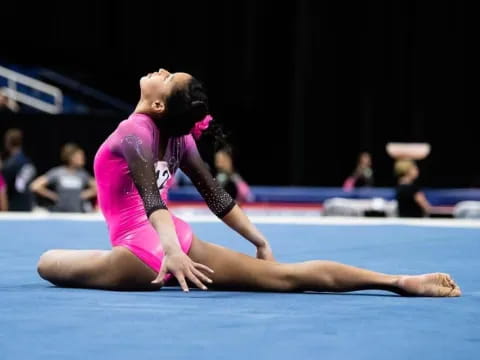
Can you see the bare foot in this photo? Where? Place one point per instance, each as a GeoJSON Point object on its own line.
{"type": "Point", "coordinates": [436, 284]}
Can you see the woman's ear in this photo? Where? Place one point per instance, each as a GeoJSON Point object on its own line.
{"type": "Point", "coordinates": [158, 107]}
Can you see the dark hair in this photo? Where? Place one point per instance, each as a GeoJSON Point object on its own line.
{"type": "Point", "coordinates": [187, 106]}
{"type": "Point", "coordinates": [13, 138]}
{"type": "Point", "coordinates": [215, 134]}
{"type": "Point", "coordinates": [225, 148]}
{"type": "Point", "coordinates": [184, 108]}
{"type": "Point", "coordinates": [67, 152]}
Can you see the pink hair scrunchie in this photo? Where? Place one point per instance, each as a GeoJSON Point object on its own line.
{"type": "Point", "coordinates": [201, 126]}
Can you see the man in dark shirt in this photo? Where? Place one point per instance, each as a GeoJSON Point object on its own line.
{"type": "Point", "coordinates": [411, 201]}
{"type": "Point", "coordinates": [18, 172]}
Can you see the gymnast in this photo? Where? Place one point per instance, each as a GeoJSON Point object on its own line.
{"type": "Point", "coordinates": [151, 247]}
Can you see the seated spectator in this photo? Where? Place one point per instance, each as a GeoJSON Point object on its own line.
{"type": "Point", "coordinates": [3, 192]}
{"type": "Point", "coordinates": [362, 175]}
{"type": "Point", "coordinates": [411, 201]}
{"type": "Point", "coordinates": [70, 186]}
{"type": "Point", "coordinates": [229, 179]}
{"type": "Point", "coordinates": [18, 171]}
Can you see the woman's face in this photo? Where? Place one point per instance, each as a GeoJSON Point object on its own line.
{"type": "Point", "coordinates": [223, 162]}
{"type": "Point", "coordinates": [159, 85]}
{"type": "Point", "coordinates": [77, 159]}
{"type": "Point", "coordinates": [365, 160]}
{"type": "Point", "coordinates": [413, 172]}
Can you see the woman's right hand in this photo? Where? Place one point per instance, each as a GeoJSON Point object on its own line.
{"type": "Point", "coordinates": [182, 267]}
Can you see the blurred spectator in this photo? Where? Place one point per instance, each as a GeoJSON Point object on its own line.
{"type": "Point", "coordinates": [18, 171]}
{"type": "Point", "coordinates": [411, 201]}
{"type": "Point", "coordinates": [3, 192]}
{"type": "Point", "coordinates": [7, 105]}
{"type": "Point", "coordinates": [362, 175]}
{"type": "Point", "coordinates": [72, 185]}
{"type": "Point", "coordinates": [230, 180]}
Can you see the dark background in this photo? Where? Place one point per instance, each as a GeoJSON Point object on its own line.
{"type": "Point", "coordinates": [302, 86]}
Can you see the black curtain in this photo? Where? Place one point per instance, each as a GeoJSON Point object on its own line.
{"type": "Point", "coordinates": [302, 86]}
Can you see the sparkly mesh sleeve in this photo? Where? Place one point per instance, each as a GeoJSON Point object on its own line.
{"type": "Point", "coordinates": [217, 199]}
{"type": "Point", "coordinates": [135, 146]}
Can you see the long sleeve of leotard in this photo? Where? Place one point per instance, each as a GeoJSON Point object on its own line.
{"type": "Point", "coordinates": [135, 144]}
{"type": "Point", "coordinates": [217, 199]}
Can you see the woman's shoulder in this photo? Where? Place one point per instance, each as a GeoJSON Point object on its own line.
{"type": "Point", "coordinates": [137, 125]}
{"type": "Point", "coordinates": [56, 172]}
{"type": "Point", "coordinates": [136, 121]}
{"type": "Point", "coordinates": [187, 141]}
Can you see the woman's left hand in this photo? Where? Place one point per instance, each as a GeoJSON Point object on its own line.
{"type": "Point", "coordinates": [264, 252]}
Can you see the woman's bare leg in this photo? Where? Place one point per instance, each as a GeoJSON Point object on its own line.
{"type": "Point", "coordinates": [241, 272]}
{"type": "Point", "coordinates": [116, 269]}
{"type": "Point", "coordinates": [119, 269]}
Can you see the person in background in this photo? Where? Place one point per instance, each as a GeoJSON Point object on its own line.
{"type": "Point", "coordinates": [72, 185]}
{"type": "Point", "coordinates": [411, 201]}
{"type": "Point", "coordinates": [18, 171]}
{"type": "Point", "coordinates": [362, 175]}
{"type": "Point", "coordinates": [229, 179]}
{"type": "Point", "coordinates": [7, 106]}
{"type": "Point", "coordinates": [3, 192]}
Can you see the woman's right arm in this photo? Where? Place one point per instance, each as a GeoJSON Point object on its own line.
{"type": "Point", "coordinates": [39, 186]}
{"type": "Point", "coordinates": [135, 147]}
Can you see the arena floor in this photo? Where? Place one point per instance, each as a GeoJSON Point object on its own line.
{"type": "Point", "coordinates": [40, 321]}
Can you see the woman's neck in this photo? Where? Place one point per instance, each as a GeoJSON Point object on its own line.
{"type": "Point", "coordinates": [142, 108]}
{"type": "Point", "coordinates": [72, 168]}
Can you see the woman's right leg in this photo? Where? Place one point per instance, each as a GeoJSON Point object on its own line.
{"type": "Point", "coordinates": [116, 269]}
{"type": "Point", "coordinates": [237, 271]}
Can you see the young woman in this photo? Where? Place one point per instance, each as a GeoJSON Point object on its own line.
{"type": "Point", "coordinates": [229, 178]}
{"type": "Point", "coordinates": [150, 246]}
{"type": "Point", "coordinates": [73, 186]}
{"type": "Point", "coordinates": [362, 175]}
{"type": "Point", "coordinates": [412, 202]}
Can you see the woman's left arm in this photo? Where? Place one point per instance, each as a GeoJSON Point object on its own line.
{"type": "Point", "coordinates": [3, 199]}
{"type": "Point", "coordinates": [238, 221]}
{"type": "Point", "coordinates": [422, 201]}
{"type": "Point", "coordinates": [220, 202]}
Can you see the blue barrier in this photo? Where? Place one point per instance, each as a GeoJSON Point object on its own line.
{"type": "Point", "coordinates": [272, 194]}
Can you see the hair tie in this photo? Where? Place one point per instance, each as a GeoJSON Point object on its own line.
{"type": "Point", "coordinates": [201, 126]}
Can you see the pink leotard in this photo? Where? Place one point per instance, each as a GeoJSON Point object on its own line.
{"type": "Point", "coordinates": [133, 182]}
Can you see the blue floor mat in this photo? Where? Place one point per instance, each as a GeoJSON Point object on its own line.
{"type": "Point", "coordinates": [40, 321]}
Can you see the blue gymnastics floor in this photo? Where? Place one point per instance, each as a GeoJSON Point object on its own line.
{"type": "Point", "coordinates": [39, 321]}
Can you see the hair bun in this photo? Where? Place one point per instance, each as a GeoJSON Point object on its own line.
{"type": "Point", "coordinates": [198, 110]}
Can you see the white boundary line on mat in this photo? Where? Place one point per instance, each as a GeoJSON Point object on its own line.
{"type": "Point", "coordinates": [277, 219]}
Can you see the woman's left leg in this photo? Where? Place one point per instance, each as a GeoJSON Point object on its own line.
{"type": "Point", "coordinates": [237, 271]}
